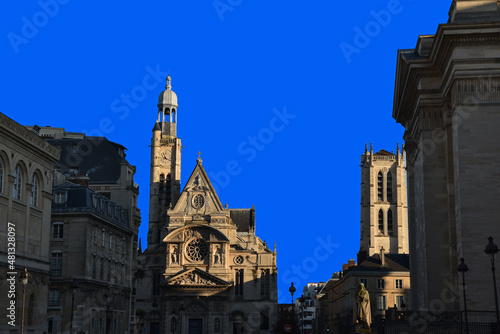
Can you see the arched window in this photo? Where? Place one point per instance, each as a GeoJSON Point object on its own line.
{"type": "Point", "coordinates": [2, 169]}
{"type": "Point", "coordinates": [34, 191]}
{"type": "Point", "coordinates": [18, 181]}
{"type": "Point", "coordinates": [390, 226]}
{"type": "Point", "coordinates": [389, 187]}
{"type": "Point", "coordinates": [380, 186]}
{"type": "Point", "coordinates": [381, 221]}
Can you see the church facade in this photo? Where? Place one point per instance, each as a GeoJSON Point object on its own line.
{"type": "Point", "coordinates": [204, 269]}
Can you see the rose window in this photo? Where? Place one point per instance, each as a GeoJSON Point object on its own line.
{"type": "Point", "coordinates": [197, 249]}
{"type": "Point", "coordinates": [198, 201]}
{"type": "Point", "coordinates": [238, 259]}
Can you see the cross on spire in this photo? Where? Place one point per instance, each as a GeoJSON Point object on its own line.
{"type": "Point", "coordinates": [199, 157]}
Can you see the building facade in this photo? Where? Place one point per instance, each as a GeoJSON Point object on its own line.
{"type": "Point", "coordinates": [447, 96]}
{"type": "Point", "coordinates": [383, 202]}
{"type": "Point", "coordinates": [26, 165]}
{"type": "Point", "coordinates": [90, 245]}
{"type": "Point", "coordinates": [204, 270]}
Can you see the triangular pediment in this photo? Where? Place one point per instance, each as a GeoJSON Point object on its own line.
{"type": "Point", "coordinates": [195, 277]}
{"type": "Point", "coordinates": [198, 196]}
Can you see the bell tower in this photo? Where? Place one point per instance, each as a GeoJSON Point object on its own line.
{"type": "Point", "coordinates": [384, 222]}
{"type": "Point", "coordinates": [165, 179]}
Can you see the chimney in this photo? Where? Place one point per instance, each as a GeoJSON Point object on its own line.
{"type": "Point", "coordinates": [382, 256]}
{"type": "Point", "coordinates": [362, 255]}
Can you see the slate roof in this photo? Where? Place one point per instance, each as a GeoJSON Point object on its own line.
{"type": "Point", "coordinates": [393, 262]}
{"type": "Point", "coordinates": [96, 157]}
{"type": "Point", "coordinates": [244, 219]}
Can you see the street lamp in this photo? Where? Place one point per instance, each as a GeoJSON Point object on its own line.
{"type": "Point", "coordinates": [491, 249]}
{"type": "Point", "coordinates": [462, 269]}
{"type": "Point", "coordinates": [292, 291]}
{"type": "Point", "coordinates": [73, 287]}
{"type": "Point", "coordinates": [25, 276]}
{"type": "Point", "coordinates": [181, 311]}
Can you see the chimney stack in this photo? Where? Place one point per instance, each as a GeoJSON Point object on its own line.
{"type": "Point", "coordinates": [382, 256]}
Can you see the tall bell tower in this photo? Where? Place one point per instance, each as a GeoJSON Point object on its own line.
{"type": "Point", "coordinates": [165, 179]}
{"type": "Point", "coordinates": [384, 222]}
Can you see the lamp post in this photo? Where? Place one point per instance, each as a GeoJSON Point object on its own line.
{"type": "Point", "coordinates": [292, 291]}
{"type": "Point", "coordinates": [73, 287]}
{"type": "Point", "coordinates": [181, 311]}
{"type": "Point", "coordinates": [25, 276]}
{"type": "Point", "coordinates": [462, 269]}
{"type": "Point", "coordinates": [491, 249]}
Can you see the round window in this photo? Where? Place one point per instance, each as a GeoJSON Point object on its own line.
{"type": "Point", "coordinates": [198, 201]}
{"type": "Point", "coordinates": [197, 250]}
{"type": "Point", "coordinates": [238, 259]}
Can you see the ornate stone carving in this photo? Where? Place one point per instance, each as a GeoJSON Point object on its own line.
{"type": "Point", "coordinates": [218, 255]}
{"type": "Point", "coordinates": [174, 254]}
{"type": "Point", "coordinates": [194, 279]}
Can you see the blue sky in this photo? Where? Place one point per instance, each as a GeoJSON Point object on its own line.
{"type": "Point", "coordinates": [280, 97]}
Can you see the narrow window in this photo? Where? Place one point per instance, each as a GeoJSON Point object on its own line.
{"type": "Point", "coordinates": [399, 302]}
{"type": "Point", "coordinates": [380, 186]}
{"type": "Point", "coordinates": [380, 283]}
{"type": "Point", "coordinates": [18, 181]}
{"type": "Point", "coordinates": [390, 225]}
{"type": "Point", "coordinates": [399, 283]}
{"type": "Point", "coordinates": [57, 230]}
{"type": "Point", "coordinates": [103, 237]}
{"type": "Point", "coordinates": [96, 231]}
{"type": "Point", "coordinates": [94, 265]}
{"type": "Point", "coordinates": [110, 240]}
{"type": "Point", "coordinates": [389, 187]}
{"type": "Point", "coordinates": [264, 282]}
{"type": "Point", "coordinates": [109, 270]}
{"type": "Point", "coordinates": [381, 302]}
{"type": "Point", "coordinates": [34, 191]}
{"type": "Point", "coordinates": [101, 273]}
{"type": "Point", "coordinates": [156, 283]}
{"type": "Point", "coordinates": [381, 221]}
{"type": "Point", "coordinates": [56, 263]}
{"type": "Point", "coordinates": [239, 280]}
{"type": "Point", "coordinates": [54, 297]}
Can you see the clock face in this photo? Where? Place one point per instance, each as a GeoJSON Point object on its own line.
{"type": "Point", "coordinates": [166, 156]}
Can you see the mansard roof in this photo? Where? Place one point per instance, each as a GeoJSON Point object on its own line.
{"type": "Point", "coordinates": [96, 157]}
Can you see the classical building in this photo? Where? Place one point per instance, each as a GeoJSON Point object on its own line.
{"type": "Point", "coordinates": [100, 165]}
{"type": "Point", "coordinates": [385, 276]}
{"type": "Point", "coordinates": [204, 270]}
{"type": "Point", "coordinates": [447, 96]}
{"type": "Point", "coordinates": [383, 202]}
{"type": "Point", "coordinates": [90, 246]}
{"type": "Point", "coordinates": [26, 165]}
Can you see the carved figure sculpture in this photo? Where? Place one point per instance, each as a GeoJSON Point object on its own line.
{"type": "Point", "coordinates": [362, 310]}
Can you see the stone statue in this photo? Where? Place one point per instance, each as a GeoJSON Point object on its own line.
{"type": "Point", "coordinates": [362, 310]}
{"type": "Point", "coordinates": [175, 255]}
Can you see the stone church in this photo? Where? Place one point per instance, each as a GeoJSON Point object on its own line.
{"type": "Point", "coordinates": [204, 269]}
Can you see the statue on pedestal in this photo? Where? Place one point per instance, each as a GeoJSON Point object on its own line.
{"type": "Point", "coordinates": [362, 310]}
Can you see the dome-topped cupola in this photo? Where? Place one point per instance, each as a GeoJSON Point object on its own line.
{"type": "Point", "coordinates": [167, 109]}
{"type": "Point", "coordinates": [168, 98]}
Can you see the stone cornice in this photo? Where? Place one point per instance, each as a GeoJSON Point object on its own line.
{"type": "Point", "coordinates": [411, 69]}
{"type": "Point", "coordinates": [19, 132]}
